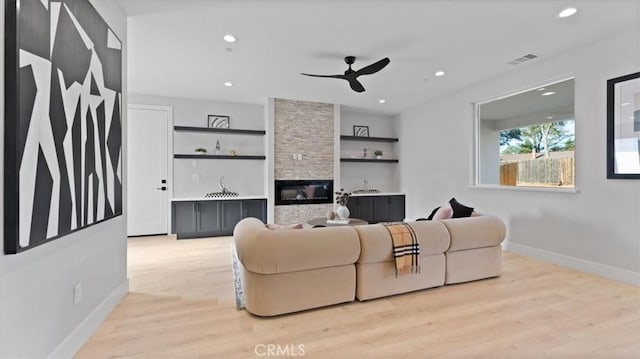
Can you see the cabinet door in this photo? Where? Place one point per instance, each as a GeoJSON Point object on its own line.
{"type": "Point", "coordinates": [381, 205]}
{"type": "Point", "coordinates": [354, 207]}
{"type": "Point", "coordinates": [255, 208]}
{"type": "Point", "coordinates": [396, 208]}
{"type": "Point", "coordinates": [208, 216]}
{"type": "Point", "coordinates": [183, 217]}
{"type": "Point", "coordinates": [365, 209]}
{"type": "Point", "coordinates": [231, 215]}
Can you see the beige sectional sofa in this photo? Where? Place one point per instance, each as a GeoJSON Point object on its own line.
{"type": "Point", "coordinates": [285, 271]}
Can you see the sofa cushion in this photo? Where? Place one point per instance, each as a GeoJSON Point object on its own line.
{"type": "Point", "coordinates": [459, 209]}
{"type": "Point", "coordinates": [264, 251]}
{"type": "Point", "coordinates": [474, 232]}
{"type": "Point", "coordinates": [375, 242]}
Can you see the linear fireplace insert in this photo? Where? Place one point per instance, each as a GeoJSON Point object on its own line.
{"type": "Point", "coordinates": [290, 192]}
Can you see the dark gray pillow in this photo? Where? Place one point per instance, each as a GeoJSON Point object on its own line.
{"type": "Point", "coordinates": [459, 209]}
{"type": "Point", "coordinates": [433, 213]}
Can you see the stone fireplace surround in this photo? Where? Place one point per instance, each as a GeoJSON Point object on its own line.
{"type": "Point", "coordinates": [304, 145]}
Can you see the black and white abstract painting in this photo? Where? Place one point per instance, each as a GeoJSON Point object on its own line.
{"type": "Point", "coordinates": [63, 129]}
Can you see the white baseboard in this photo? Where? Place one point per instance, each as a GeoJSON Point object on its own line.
{"type": "Point", "coordinates": [607, 271]}
{"type": "Point", "coordinates": [70, 346]}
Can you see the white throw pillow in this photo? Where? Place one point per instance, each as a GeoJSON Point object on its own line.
{"type": "Point", "coordinates": [444, 212]}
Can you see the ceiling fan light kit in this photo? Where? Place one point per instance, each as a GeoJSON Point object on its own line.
{"type": "Point", "coordinates": [352, 75]}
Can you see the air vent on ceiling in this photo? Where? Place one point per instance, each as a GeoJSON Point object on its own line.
{"type": "Point", "coordinates": [523, 59]}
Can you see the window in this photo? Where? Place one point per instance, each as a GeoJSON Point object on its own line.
{"type": "Point", "coordinates": [528, 139]}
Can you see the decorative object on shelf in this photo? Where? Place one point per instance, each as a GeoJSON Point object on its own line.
{"type": "Point", "coordinates": [623, 127]}
{"type": "Point", "coordinates": [233, 153]}
{"type": "Point", "coordinates": [361, 131]}
{"type": "Point", "coordinates": [201, 151]}
{"type": "Point", "coordinates": [218, 121]}
{"type": "Point", "coordinates": [342, 197]}
{"type": "Point", "coordinates": [331, 215]}
{"type": "Point", "coordinates": [364, 153]}
{"type": "Point", "coordinates": [378, 154]}
{"type": "Point", "coordinates": [61, 168]}
{"type": "Point", "coordinates": [224, 192]}
{"type": "Point", "coordinates": [217, 147]}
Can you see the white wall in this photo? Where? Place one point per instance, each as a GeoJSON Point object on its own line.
{"type": "Point", "coordinates": [382, 176]}
{"type": "Point", "coordinates": [597, 229]}
{"type": "Point", "coordinates": [243, 176]}
{"type": "Point", "coordinates": [37, 314]}
{"type": "Point", "coordinates": [489, 141]}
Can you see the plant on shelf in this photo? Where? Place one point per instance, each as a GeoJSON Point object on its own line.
{"type": "Point", "coordinates": [378, 154]}
{"type": "Point", "coordinates": [201, 150]}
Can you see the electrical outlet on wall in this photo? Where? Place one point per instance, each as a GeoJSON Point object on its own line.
{"type": "Point", "coordinates": [195, 177]}
{"type": "Point", "coordinates": [77, 293]}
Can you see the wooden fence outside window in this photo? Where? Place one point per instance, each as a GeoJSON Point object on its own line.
{"type": "Point", "coordinates": [539, 172]}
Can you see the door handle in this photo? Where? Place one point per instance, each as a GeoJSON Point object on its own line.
{"type": "Point", "coordinates": [163, 188]}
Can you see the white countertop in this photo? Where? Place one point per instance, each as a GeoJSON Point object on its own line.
{"type": "Point", "coordinates": [191, 199]}
{"type": "Point", "coordinates": [377, 194]}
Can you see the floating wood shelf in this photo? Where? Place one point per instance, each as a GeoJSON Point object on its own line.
{"type": "Point", "coordinates": [219, 130]}
{"type": "Point", "coordinates": [368, 160]}
{"type": "Point", "coordinates": [219, 157]}
{"type": "Point", "coordinates": [369, 139]}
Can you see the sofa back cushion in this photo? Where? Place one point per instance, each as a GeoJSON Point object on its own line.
{"type": "Point", "coordinates": [375, 242]}
{"type": "Point", "coordinates": [264, 251]}
{"type": "Point", "coordinates": [475, 232]}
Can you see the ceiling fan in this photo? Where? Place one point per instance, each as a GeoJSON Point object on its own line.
{"type": "Point", "coordinates": [352, 75]}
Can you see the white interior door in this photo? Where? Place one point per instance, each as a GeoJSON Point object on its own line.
{"type": "Point", "coordinates": [148, 181]}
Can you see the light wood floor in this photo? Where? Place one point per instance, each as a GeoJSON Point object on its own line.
{"type": "Point", "coordinates": [181, 305]}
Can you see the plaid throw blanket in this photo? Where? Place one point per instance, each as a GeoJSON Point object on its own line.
{"type": "Point", "coordinates": [406, 248]}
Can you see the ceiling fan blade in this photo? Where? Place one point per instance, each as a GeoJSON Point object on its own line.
{"type": "Point", "coordinates": [329, 76]}
{"type": "Point", "coordinates": [373, 68]}
{"type": "Point", "coordinates": [355, 84]}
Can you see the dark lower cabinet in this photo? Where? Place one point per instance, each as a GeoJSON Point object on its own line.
{"type": "Point", "coordinates": [183, 217]}
{"type": "Point", "coordinates": [255, 208]}
{"type": "Point", "coordinates": [231, 215]}
{"type": "Point", "coordinates": [194, 219]}
{"type": "Point", "coordinates": [375, 209]}
{"type": "Point", "coordinates": [208, 216]}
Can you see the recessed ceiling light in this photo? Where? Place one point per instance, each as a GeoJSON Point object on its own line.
{"type": "Point", "coordinates": [228, 84]}
{"type": "Point", "coordinates": [541, 89]}
{"type": "Point", "coordinates": [549, 118]}
{"type": "Point", "coordinates": [382, 101]}
{"type": "Point", "coordinates": [567, 12]}
{"type": "Point", "coordinates": [440, 73]}
{"type": "Point", "coordinates": [625, 104]}
{"type": "Point", "coordinates": [548, 93]}
{"type": "Point", "coordinates": [229, 38]}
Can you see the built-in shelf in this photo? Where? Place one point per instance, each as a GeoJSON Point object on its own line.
{"type": "Point", "coordinates": [369, 139]}
{"type": "Point", "coordinates": [219, 157]}
{"type": "Point", "coordinates": [219, 130]}
{"type": "Point", "coordinates": [368, 160]}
